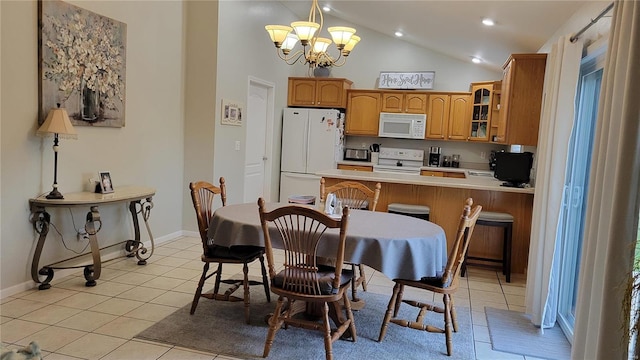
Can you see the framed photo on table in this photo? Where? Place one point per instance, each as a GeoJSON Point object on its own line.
{"type": "Point", "coordinates": [106, 186]}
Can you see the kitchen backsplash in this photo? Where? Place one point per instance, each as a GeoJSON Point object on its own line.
{"type": "Point", "coordinates": [471, 154]}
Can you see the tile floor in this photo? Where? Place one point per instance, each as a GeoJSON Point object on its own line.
{"type": "Point", "coordinates": [71, 321]}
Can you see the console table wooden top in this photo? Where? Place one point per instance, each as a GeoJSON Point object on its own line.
{"type": "Point", "coordinates": [121, 193]}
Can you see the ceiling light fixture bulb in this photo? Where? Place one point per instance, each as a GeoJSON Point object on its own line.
{"type": "Point", "coordinates": [399, 33]}
{"type": "Point", "coordinates": [488, 22]}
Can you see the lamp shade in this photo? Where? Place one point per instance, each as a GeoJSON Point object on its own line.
{"type": "Point", "coordinates": [278, 33]}
{"type": "Point", "coordinates": [57, 122]}
{"type": "Point", "coordinates": [341, 35]}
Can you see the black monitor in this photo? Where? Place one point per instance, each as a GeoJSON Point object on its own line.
{"type": "Point", "coordinates": [513, 168]}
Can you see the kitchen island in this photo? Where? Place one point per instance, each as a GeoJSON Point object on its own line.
{"type": "Point", "coordinates": [446, 195]}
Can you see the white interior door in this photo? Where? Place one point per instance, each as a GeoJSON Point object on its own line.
{"type": "Point", "coordinates": [258, 140]}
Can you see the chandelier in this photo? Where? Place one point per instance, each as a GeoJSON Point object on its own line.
{"type": "Point", "coordinates": [314, 48]}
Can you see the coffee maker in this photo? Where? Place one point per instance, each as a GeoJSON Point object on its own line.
{"type": "Point", "coordinates": [434, 155]}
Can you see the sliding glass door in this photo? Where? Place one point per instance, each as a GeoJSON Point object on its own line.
{"type": "Point", "coordinates": [571, 229]}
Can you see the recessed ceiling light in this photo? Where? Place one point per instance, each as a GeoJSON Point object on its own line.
{"type": "Point", "coordinates": [399, 33]}
{"type": "Point", "coordinates": [326, 8]}
{"type": "Point", "coordinates": [475, 60]}
{"type": "Point", "coordinates": [488, 22]}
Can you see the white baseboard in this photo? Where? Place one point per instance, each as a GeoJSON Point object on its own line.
{"type": "Point", "coordinates": [105, 256]}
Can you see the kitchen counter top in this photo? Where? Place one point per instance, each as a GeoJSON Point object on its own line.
{"type": "Point", "coordinates": [475, 179]}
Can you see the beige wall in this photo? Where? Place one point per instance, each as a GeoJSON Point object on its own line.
{"type": "Point", "coordinates": [147, 151]}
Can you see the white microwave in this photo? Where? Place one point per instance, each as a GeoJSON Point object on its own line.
{"type": "Point", "coordinates": [405, 126]}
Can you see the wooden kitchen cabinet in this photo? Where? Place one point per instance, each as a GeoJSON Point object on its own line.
{"type": "Point", "coordinates": [404, 102]}
{"type": "Point", "coordinates": [521, 99]}
{"type": "Point", "coordinates": [482, 95]}
{"type": "Point", "coordinates": [318, 92]}
{"type": "Point", "coordinates": [355, 167]}
{"type": "Point", "coordinates": [363, 112]}
{"type": "Point", "coordinates": [449, 174]}
{"type": "Point", "coordinates": [447, 116]}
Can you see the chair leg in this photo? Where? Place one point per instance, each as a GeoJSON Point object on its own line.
{"type": "Point", "coordinates": [447, 323]}
{"type": "Point", "coordinates": [387, 315]}
{"type": "Point", "coordinates": [454, 316]}
{"type": "Point", "coordinates": [354, 284]}
{"type": "Point", "coordinates": [507, 260]}
{"type": "Point", "coordinates": [363, 276]}
{"type": "Point", "coordinates": [398, 300]}
{"type": "Point", "coordinates": [216, 287]}
{"type": "Point", "coordinates": [275, 321]}
{"type": "Point", "coordinates": [265, 281]}
{"type": "Point", "coordinates": [247, 296]}
{"type": "Point", "coordinates": [327, 332]}
{"type": "Point", "coordinates": [352, 323]}
{"type": "Point", "coordinates": [198, 293]}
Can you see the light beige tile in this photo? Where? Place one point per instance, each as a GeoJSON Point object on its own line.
{"type": "Point", "coordinates": [92, 346]}
{"type": "Point", "coordinates": [50, 314]}
{"type": "Point", "coordinates": [53, 338]}
{"type": "Point", "coordinates": [193, 265]}
{"type": "Point", "coordinates": [138, 350]}
{"type": "Point", "coordinates": [4, 319]}
{"type": "Point", "coordinates": [183, 354]}
{"type": "Point", "coordinates": [485, 286]}
{"type": "Point", "coordinates": [82, 301]}
{"type": "Point", "coordinates": [127, 265]}
{"type": "Point", "coordinates": [185, 274]}
{"type": "Point", "coordinates": [55, 356]}
{"type": "Point", "coordinates": [517, 300]}
{"type": "Point", "coordinates": [173, 298]}
{"type": "Point", "coordinates": [164, 283]}
{"type": "Point", "coordinates": [151, 312]}
{"type": "Point", "coordinates": [479, 305]}
{"type": "Point", "coordinates": [488, 296]}
{"type": "Point", "coordinates": [109, 288]}
{"type": "Point", "coordinates": [224, 357]}
{"type": "Point", "coordinates": [142, 293]}
{"type": "Point", "coordinates": [134, 278]}
{"type": "Point", "coordinates": [171, 261]}
{"type": "Point", "coordinates": [16, 329]}
{"type": "Point", "coordinates": [108, 273]}
{"type": "Point", "coordinates": [19, 307]}
{"type": "Point", "coordinates": [481, 333]}
{"type": "Point", "coordinates": [49, 296]}
{"type": "Point", "coordinates": [124, 327]}
{"type": "Point", "coordinates": [164, 251]}
{"type": "Point", "coordinates": [513, 289]}
{"type": "Point", "coordinates": [518, 308]}
{"type": "Point", "coordinates": [116, 306]}
{"type": "Point", "coordinates": [188, 287]}
{"type": "Point", "coordinates": [153, 269]}
{"type": "Point", "coordinates": [379, 289]}
{"type": "Point", "coordinates": [485, 352]}
{"type": "Point", "coordinates": [180, 245]}
{"type": "Point", "coordinates": [86, 321]}
{"type": "Point", "coordinates": [479, 318]}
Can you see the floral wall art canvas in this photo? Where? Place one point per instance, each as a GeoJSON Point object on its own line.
{"type": "Point", "coordinates": [81, 64]}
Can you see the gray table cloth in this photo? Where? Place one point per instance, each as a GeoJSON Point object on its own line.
{"type": "Point", "coordinates": [399, 246]}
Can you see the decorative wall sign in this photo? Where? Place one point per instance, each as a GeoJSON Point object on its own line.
{"type": "Point", "coordinates": [232, 112]}
{"type": "Point", "coordinates": [81, 64]}
{"type": "Point", "coordinates": [406, 80]}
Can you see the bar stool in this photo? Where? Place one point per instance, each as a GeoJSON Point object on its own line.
{"type": "Point", "coordinates": [499, 219]}
{"type": "Point", "coordinates": [417, 211]}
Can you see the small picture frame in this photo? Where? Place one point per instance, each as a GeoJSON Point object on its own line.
{"type": "Point", "coordinates": [106, 186]}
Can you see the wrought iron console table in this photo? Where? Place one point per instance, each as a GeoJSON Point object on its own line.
{"type": "Point", "coordinates": [139, 199]}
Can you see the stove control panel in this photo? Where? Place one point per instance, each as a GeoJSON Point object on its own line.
{"type": "Point", "coordinates": [401, 154]}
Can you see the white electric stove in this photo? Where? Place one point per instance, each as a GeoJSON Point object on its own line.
{"type": "Point", "coordinates": [395, 160]}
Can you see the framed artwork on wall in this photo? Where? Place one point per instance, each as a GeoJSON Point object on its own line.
{"type": "Point", "coordinates": [232, 112]}
{"type": "Point", "coordinates": [81, 64]}
{"type": "Point", "coordinates": [106, 186]}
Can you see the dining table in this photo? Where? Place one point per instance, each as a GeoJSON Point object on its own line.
{"type": "Point", "coordinates": [398, 246]}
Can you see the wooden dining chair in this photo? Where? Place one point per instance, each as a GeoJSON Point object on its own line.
{"type": "Point", "coordinates": [302, 280]}
{"type": "Point", "coordinates": [203, 195]}
{"type": "Point", "coordinates": [355, 195]}
{"type": "Point", "coordinates": [446, 284]}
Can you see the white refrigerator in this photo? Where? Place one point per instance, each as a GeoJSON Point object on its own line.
{"type": "Point", "coordinates": [312, 140]}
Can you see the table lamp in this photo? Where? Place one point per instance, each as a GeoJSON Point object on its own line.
{"type": "Point", "coordinates": [57, 124]}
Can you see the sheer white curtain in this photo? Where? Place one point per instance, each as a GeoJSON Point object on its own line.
{"type": "Point", "coordinates": [560, 84]}
{"type": "Point", "coordinates": [612, 210]}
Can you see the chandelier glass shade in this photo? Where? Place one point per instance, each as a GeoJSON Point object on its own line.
{"type": "Point", "coordinates": [315, 48]}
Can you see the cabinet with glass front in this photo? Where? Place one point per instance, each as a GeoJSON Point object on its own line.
{"type": "Point", "coordinates": [481, 95]}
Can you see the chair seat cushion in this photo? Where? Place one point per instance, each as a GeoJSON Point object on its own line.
{"type": "Point", "coordinates": [409, 209]}
{"type": "Point", "coordinates": [495, 216]}
{"type": "Point", "coordinates": [325, 276]}
{"type": "Point", "coordinates": [234, 252]}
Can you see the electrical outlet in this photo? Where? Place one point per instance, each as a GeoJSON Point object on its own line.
{"type": "Point", "coordinates": [82, 235]}
{"type": "Point", "coordinates": [237, 145]}
{"type": "Point", "coordinates": [483, 155]}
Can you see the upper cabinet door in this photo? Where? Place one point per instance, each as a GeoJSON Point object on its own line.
{"type": "Point", "coordinates": [329, 93]}
{"type": "Point", "coordinates": [302, 92]}
{"type": "Point", "coordinates": [459, 117]}
{"type": "Point", "coordinates": [392, 102]}
{"type": "Point", "coordinates": [437, 116]}
{"type": "Point", "coordinates": [481, 111]}
{"type": "Point", "coordinates": [363, 112]}
{"type": "Point", "coordinates": [415, 103]}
